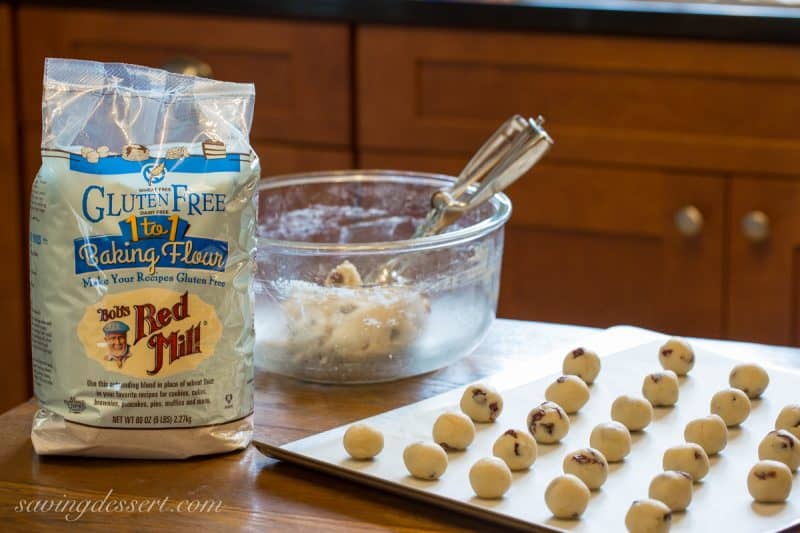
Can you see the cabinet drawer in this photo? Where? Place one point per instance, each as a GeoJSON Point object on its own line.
{"type": "Point", "coordinates": [600, 246]}
{"type": "Point", "coordinates": [673, 103]}
{"type": "Point", "coordinates": [15, 379]}
{"type": "Point", "coordinates": [284, 159]}
{"type": "Point", "coordinates": [301, 70]}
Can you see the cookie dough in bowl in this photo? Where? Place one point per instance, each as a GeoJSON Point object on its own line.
{"type": "Point", "coordinates": [324, 310]}
{"type": "Point", "coordinates": [338, 324]}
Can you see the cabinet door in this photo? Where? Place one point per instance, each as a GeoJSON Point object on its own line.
{"type": "Point", "coordinates": [600, 246]}
{"type": "Point", "coordinates": [639, 101]}
{"type": "Point", "coordinates": [765, 261]}
{"type": "Point", "coordinates": [15, 378]}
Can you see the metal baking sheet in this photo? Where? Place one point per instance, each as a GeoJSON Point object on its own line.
{"type": "Point", "coordinates": [720, 502]}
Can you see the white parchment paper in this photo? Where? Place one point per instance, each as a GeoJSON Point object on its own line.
{"type": "Point", "coordinates": [720, 502]}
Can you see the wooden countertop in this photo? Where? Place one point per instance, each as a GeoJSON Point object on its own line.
{"type": "Point", "coordinates": [260, 493]}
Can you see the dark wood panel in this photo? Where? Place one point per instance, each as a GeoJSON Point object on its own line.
{"type": "Point", "coordinates": [288, 159]}
{"type": "Point", "coordinates": [764, 281]}
{"type": "Point", "coordinates": [678, 104]}
{"type": "Point", "coordinates": [301, 70]}
{"type": "Point", "coordinates": [599, 246]}
{"type": "Point", "coordinates": [15, 380]}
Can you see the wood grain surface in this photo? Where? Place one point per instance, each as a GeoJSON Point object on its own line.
{"type": "Point", "coordinates": [15, 377]}
{"type": "Point", "coordinates": [640, 101]}
{"type": "Point", "coordinates": [258, 493]}
{"type": "Point", "coordinates": [598, 246]}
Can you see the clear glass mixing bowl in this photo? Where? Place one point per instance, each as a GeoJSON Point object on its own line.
{"type": "Point", "coordinates": [310, 223]}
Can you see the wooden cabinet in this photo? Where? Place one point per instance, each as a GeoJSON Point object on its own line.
{"type": "Point", "coordinates": [663, 103]}
{"type": "Point", "coordinates": [593, 238]}
{"type": "Point", "coordinates": [302, 117]}
{"type": "Point", "coordinates": [764, 280]}
{"type": "Point", "coordinates": [600, 246]}
{"type": "Point", "coordinates": [15, 377]}
{"type": "Point", "coordinates": [644, 128]}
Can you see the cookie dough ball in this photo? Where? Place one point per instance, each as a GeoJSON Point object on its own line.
{"type": "Point", "coordinates": [548, 423]}
{"type": "Point", "coordinates": [103, 151]}
{"type": "Point", "coordinates": [517, 448]}
{"type": "Point", "coordinates": [582, 363]}
{"type": "Point", "coordinates": [490, 478]}
{"type": "Point", "coordinates": [769, 482]}
{"type": "Point", "coordinates": [672, 488]}
{"type": "Point", "coordinates": [749, 378]}
{"type": "Point", "coordinates": [780, 445]}
{"type": "Point", "coordinates": [363, 441]}
{"type": "Point", "coordinates": [661, 388]}
{"type": "Point", "coordinates": [589, 465]}
{"type": "Point", "coordinates": [481, 403]}
{"type": "Point", "coordinates": [453, 431]}
{"type": "Point", "coordinates": [732, 405]}
{"type": "Point", "coordinates": [676, 355]}
{"type": "Point", "coordinates": [789, 419]}
{"type": "Point", "coordinates": [634, 413]}
{"type": "Point", "coordinates": [570, 392]}
{"type": "Point", "coordinates": [344, 275]}
{"type": "Point", "coordinates": [612, 439]}
{"type": "Point", "coordinates": [566, 497]}
{"type": "Point", "coordinates": [690, 458]}
{"type": "Point", "coordinates": [648, 516]}
{"type": "Point", "coordinates": [709, 432]}
{"type": "Point", "coordinates": [425, 460]}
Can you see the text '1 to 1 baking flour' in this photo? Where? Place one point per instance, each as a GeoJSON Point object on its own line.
{"type": "Point", "coordinates": [142, 258]}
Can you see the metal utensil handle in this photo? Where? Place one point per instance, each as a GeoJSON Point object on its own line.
{"type": "Point", "coordinates": [524, 152]}
{"type": "Point", "coordinates": [487, 155]}
{"type": "Point", "coordinates": [508, 153]}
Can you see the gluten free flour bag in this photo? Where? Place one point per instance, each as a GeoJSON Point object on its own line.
{"type": "Point", "coordinates": [142, 257]}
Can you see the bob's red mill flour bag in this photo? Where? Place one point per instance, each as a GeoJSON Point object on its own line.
{"type": "Point", "coordinates": [142, 258]}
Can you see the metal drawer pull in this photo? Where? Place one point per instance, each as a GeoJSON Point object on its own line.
{"type": "Point", "coordinates": [755, 226]}
{"type": "Point", "coordinates": [188, 66]}
{"type": "Point", "coordinates": [689, 221]}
